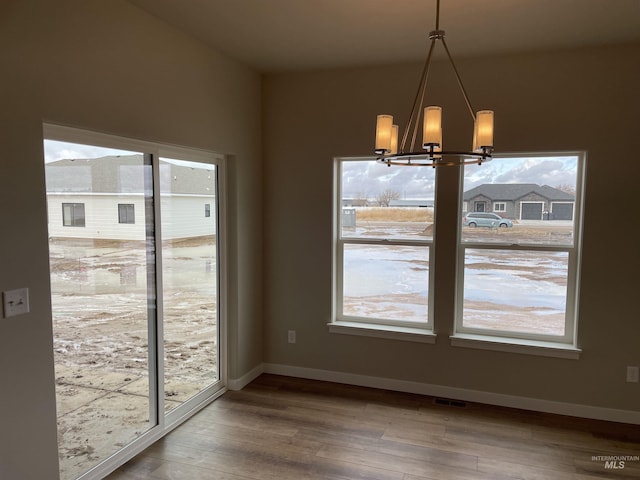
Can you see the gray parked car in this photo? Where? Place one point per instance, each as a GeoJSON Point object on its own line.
{"type": "Point", "coordinates": [485, 219]}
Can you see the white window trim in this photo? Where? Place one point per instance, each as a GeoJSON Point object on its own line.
{"type": "Point", "coordinates": [411, 334]}
{"type": "Point", "coordinates": [516, 345]}
{"type": "Point", "coordinates": [517, 342]}
{"type": "Point", "coordinates": [503, 209]}
{"type": "Point", "coordinates": [366, 326]}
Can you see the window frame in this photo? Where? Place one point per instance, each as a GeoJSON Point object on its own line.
{"type": "Point", "coordinates": [503, 207]}
{"type": "Point", "coordinates": [129, 215]}
{"type": "Point", "coordinates": [370, 326]}
{"type": "Point", "coordinates": [525, 342]}
{"type": "Point", "coordinates": [74, 220]}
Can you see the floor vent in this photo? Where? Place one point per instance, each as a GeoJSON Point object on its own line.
{"type": "Point", "coordinates": [449, 403]}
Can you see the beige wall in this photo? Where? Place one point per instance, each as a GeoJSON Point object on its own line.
{"type": "Point", "coordinates": [576, 100]}
{"type": "Point", "coordinates": [106, 65]}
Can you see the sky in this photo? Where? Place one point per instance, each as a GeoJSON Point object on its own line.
{"type": "Point", "coordinates": [371, 178]}
{"type": "Point", "coordinates": [55, 150]}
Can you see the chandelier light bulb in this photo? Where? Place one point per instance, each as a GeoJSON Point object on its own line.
{"type": "Point", "coordinates": [432, 127]}
{"type": "Point", "coordinates": [394, 140]}
{"type": "Point", "coordinates": [384, 128]}
{"type": "Point", "coordinates": [483, 130]}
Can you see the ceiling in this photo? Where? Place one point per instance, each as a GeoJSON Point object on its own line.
{"type": "Point", "coordinates": [285, 35]}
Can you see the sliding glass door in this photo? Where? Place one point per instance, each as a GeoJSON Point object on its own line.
{"type": "Point", "coordinates": [135, 237]}
{"type": "Point", "coordinates": [188, 199]}
{"type": "Point", "coordinates": [103, 297]}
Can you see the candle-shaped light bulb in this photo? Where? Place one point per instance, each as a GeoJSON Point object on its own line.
{"type": "Point", "coordinates": [432, 127]}
{"type": "Point", "coordinates": [384, 126]}
{"type": "Point", "coordinates": [483, 130]}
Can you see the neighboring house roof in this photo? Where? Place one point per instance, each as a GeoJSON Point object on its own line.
{"type": "Point", "coordinates": [124, 174]}
{"type": "Point", "coordinates": [515, 191]}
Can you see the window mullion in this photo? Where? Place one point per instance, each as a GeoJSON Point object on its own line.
{"type": "Point", "coordinates": [156, 332]}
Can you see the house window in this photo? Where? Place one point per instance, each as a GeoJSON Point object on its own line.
{"type": "Point", "coordinates": [383, 252]}
{"type": "Point", "coordinates": [499, 207]}
{"type": "Point", "coordinates": [126, 213]}
{"type": "Point", "coordinates": [521, 282]}
{"type": "Point", "coordinates": [73, 215]}
{"type": "Point", "coordinates": [207, 209]}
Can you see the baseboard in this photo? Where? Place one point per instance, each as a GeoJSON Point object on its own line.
{"type": "Point", "coordinates": [246, 379]}
{"type": "Point", "coordinates": [477, 396]}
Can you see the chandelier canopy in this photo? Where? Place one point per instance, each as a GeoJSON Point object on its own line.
{"type": "Point", "coordinates": [391, 152]}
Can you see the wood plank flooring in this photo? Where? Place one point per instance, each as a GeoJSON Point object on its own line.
{"type": "Point", "coordinates": [286, 428]}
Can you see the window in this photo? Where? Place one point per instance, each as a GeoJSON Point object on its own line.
{"type": "Point", "coordinates": [207, 209]}
{"type": "Point", "coordinates": [73, 215]}
{"type": "Point", "coordinates": [146, 318]}
{"type": "Point", "coordinates": [499, 207]}
{"type": "Point", "coordinates": [521, 283]}
{"type": "Point", "coordinates": [126, 213]}
{"type": "Point", "coordinates": [383, 247]}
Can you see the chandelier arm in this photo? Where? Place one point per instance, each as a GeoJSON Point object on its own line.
{"type": "Point", "coordinates": [417, 102]}
{"type": "Point", "coordinates": [460, 84]}
{"type": "Point", "coordinates": [423, 89]}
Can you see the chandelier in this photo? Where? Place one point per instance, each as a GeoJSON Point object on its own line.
{"type": "Point", "coordinates": [432, 154]}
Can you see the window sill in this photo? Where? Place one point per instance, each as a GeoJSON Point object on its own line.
{"type": "Point", "coordinates": [410, 334]}
{"type": "Point", "coordinates": [514, 345]}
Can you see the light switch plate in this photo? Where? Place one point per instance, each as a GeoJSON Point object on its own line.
{"type": "Point", "coordinates": [15, 302]}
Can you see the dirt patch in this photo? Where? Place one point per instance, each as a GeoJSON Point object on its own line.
{"type": "Point", "coordinates": [101, 320]}
{"type": "Point", "coordinates": [191, 241]}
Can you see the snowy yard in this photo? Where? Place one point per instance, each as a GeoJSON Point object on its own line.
{"type": "Point", "coordinates": [508, 290]}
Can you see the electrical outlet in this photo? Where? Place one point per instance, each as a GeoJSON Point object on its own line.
{"type": "Point", "coordinates": [633, 375]}
{"type": "Point", "coordinates": [291, 336]}
{"type": "Point", "coordinates": [16, 302]}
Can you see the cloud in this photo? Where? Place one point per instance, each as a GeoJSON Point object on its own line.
{"type": "Point", "coordinates": [551, 171]}
{"type": "Point", "coordinates": [371, 177]}
{"type": "Point", "coordinates": [55, 150]}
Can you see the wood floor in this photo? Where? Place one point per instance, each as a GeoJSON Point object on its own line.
{"type": "Point", "coordinates": [284, 428]}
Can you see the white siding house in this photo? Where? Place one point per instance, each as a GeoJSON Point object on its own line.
{"type": "Point", "coordinates": [188, 216]}
{"type": "Point", "coordinates": [103, 198]}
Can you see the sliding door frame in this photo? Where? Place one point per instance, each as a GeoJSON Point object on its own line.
{"type": "Point", "coordinates": [164, 423]}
